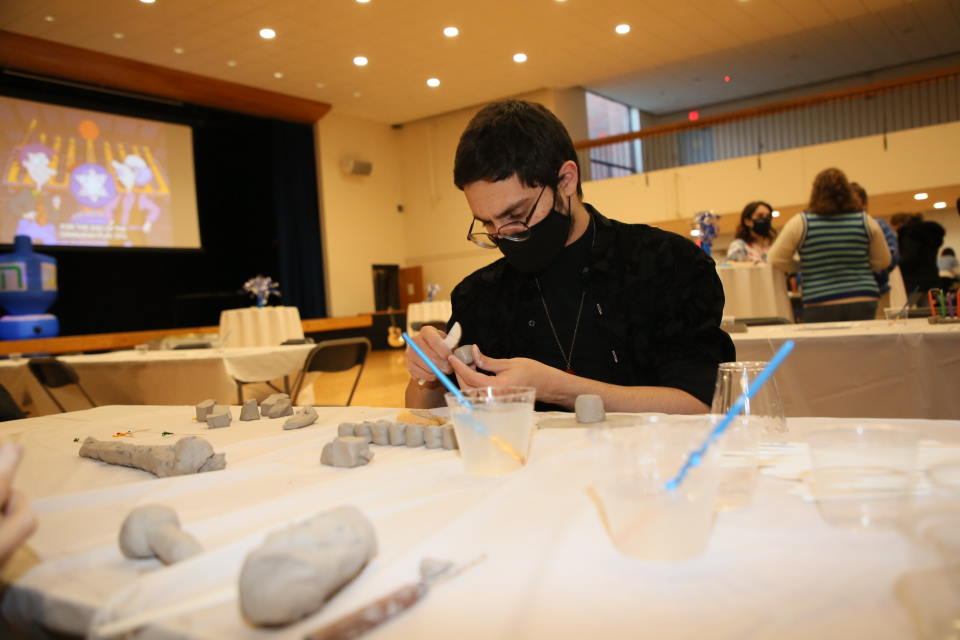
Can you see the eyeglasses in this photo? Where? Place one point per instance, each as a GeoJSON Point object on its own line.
{"type": "Point", "coordinates": [515, 231]}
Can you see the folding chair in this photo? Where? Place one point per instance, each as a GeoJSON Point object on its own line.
{"type": "Point", "coordinates": [53, 374]}
{"type": "Point", "coordinates": [331, 356]}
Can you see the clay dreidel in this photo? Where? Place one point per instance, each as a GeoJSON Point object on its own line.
{"type": "Point", "coordinates": [380, 430]}
{"type": "Point", "coordinates": [271, 400]}
{"type": "Point", "coordinates": [433, 437]}
{"type": "Point", "coordinates": [279, 409]}
{"type": "Point", "coordinates": [204, 409]}
{"type": "Point", "coordinates": [154, 530]}
{"type": "Point", "coordinates": [303, 418]}
{"type": "Point", "coordinates": [219, 417]}
{"type": "Point", "coordinates": [362, 430]}
{"type": "Point", "coordinates": [464, 354]}
{"type": "Point", "coordinates": [249, 410]}
{"type": "Point", "coordinates": [346, 429]}
{"type": "Point", "coordinates": [589, 409]}
{"type": "Point", "coordinates": [414, 435]}
{"type": "Point", "coordinates": [346, 451]}
{"type": "Point", "coordinates": [398, 434]}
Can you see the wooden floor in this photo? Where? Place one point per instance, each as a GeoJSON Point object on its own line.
{"type": "Point", "coordinates": [382, 384]}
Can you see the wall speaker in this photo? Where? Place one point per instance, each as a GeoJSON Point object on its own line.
{"type": "Point", "coordinates": [354, 167]}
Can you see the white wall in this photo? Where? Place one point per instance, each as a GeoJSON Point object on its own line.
{"type": "Point", "coordinates": [359, 219]}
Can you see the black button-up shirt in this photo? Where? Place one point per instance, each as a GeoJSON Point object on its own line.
{"type": "Point", "coordinates": [650, 317]}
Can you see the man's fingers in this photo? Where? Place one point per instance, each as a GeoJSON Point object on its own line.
{"type": "Point", "coordinates": [493, 365]}
{"type": "Point", "coordinates": [469, 376]}
{"type": "Point", "coordinates": [437, 350]}
{"type": "Point", "coordinates": [17, 523]}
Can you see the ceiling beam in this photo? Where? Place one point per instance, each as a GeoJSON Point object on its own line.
{"type": "Point", "coordinates": [43, 57]}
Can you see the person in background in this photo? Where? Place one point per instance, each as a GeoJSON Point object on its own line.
{"type": "Point", "coordinates": [883, 275]}
{"type": "Point", "coordinates": [920, 242]}
{"type": "Point", "coordinates": [755, 234]}
{"type": "Point", "coordinates": [949, 268]}
{"type": "Point", "coordinates": [840, 247]}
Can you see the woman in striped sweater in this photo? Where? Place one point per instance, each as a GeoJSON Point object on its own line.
{"type": "Point", "coordinates": [839, 246]}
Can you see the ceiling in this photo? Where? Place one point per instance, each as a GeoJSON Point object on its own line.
{"type": "Point", "coordinates": [674, 57]}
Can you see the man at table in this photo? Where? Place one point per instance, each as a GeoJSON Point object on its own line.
{"type": "Point", "coordinates": [579, 303]}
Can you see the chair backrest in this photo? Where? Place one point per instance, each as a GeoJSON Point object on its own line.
{"type": "Point", "coordinates": [192, 345]}
{"type": "Point", "coordinates": [53, 373]}
{"type": "Point", "coordinates": [337, 355]}
{"type": "Point", "coordinates": [9, 409]}
{"type": "Point", "coordinates": [295, 341]}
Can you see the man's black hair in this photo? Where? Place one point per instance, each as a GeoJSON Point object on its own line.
{"type": "Point", "coordinates": [514, 137]}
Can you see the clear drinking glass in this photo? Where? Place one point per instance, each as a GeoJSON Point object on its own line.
{"type": "Point", "coordinates": [642, 518]}
{"type": "Point", "coordinates": [507, 413]}
{"type": "Point", "coordinates": [739, 462]}
{"type": "Point", "coordinates": [765, 409]}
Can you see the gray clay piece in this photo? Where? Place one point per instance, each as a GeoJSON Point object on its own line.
{"type": "Point", "coordinates": [464, 354]}
{"type": "Point", "coordinates": [219, 417]}
{"type": "Point", "coordinates": [303, 418]}
{"type": "Point", "coordinates": [204, 408]}
{"type": "Point", "coordinates": [449, 437]}
{"type": "Point", "coordinates": [297, 569]}
{"type": "Point", "coordinates": [362, 430]}
{"type": "Point", "coordinates": [346, 451]}
{"type": "Point", "coordinates": [188, 455]}
{"type": "Point", "coordinates": [346, 429]}
{"type": "Point", "coordinates": [154, 530]}
{"type": "Point", "coordinates": [432, 436]}
{"type": "Point", "coordinates": [414, 435]}
{"type": "Point", "coordinates": [249, 410]}
{"type": "Point", "coordinates": [380, 430]}
{"type": "Point", "coordinates": [271, 400]}
{"type": "Point", "coordinates": [280, 408]}
{"type": "Point", "coordinates": [589, 409]}
{"type": "Point", "coordinates": [398, 433]}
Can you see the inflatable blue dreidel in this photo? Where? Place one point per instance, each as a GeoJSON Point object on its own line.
{"type": "Point", "coordinates": [28, 286]}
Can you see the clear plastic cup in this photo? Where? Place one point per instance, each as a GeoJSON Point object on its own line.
{"type": "Point", "coordinates": [739, 463]}
{"type": "Point", "coordinates": [765, 407]}
{"type": "Point", "coordinates": [862, 475]}
{"type": "Point", "coordinates": [506, 413]}
{"type": "Point", "coordinates": [642, 518]}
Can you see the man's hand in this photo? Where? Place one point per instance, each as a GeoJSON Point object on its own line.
{"type": "Point", "coordinates": [507, 372]}
{"type": "Point", "coordinates": [430, 340]}
{"type": "Point", "coordinates": [17, 521]}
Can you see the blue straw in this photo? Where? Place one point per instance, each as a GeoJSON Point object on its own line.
{"type": "Point", "coordinates": [696, 456]}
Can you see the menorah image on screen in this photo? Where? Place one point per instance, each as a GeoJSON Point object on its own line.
{"type": "Point", "coordinates": [76, 177]}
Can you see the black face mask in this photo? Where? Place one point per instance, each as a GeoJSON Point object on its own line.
{"type": "Point", "coordinates": [762, 226]}
{"type": "Point", "coordinates": [547, 239]}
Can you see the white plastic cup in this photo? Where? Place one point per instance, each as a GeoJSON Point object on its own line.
{"type": "Point", "coordinates": [643, 519]}
{"type": "Point", "coordinates": [507, 414]}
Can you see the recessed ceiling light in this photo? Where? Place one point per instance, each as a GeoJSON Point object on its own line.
{"type": "Point", "coordinates": [231, 63]}
{"type": "Point", "coordinates": [356, 94]}
{"type": "Point", "coordinates": [118, 35]}
{"type": "Point", "coordinates": [727, 79]}
{"type": "Point", "coordinates": [268, 34]}
{"type": "Point", "coordinates": [321, 85]}
{"type": "Point", "coordinates": [775, 214]}
{"type": "Point", "coordinates": [451, 32]}
{"type": "Point", "coordinates": [695, 232]}
{"type": "Point", "coordinates": [622, 29]}
{"type": "Point", "coordinates": [940, 205]}
{"type": "Point", "coordinates": [363, 1]}
{"type": "Point", "coordinates": [148, 1]}
{"type": "Point", "coordinates": [519, 57]}
{"type": "Point", "coordinates": [920, 196]}
{"type": "Point", "coordinates": [360, 61]}
{"type": "Point", "coordinates": [278, 74]}
{"type": "Point", "coordinates": [49, 18]}
{"type": "Point", "coordinates": [433, 82]}
{"type": "Point", "coordinates": [178, 49]}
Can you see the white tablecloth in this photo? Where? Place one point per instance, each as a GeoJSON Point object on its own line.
{"type": "Point", "coordinates": [876, 368]}
{"type": "Point", "coordinates": [773, 570]}
{"type": "Point", "coordinates": [259, 327]}
{"type": "Point", "coordinates": [754, 291]}
{"type": "Point", "coordinates": [162, 377]}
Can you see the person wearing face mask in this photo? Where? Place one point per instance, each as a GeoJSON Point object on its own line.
{"type": "Point", "coordinates": [578, 303]}
{"type": "Point", "coordinates": [755, 234]}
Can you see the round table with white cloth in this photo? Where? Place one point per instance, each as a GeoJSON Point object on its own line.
{"type": "Point", "coordinates": [259, 326]}
{"type": "Point", "coordinates": [754, 291]}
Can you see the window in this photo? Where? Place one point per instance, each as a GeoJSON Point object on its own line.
{"type": "Point", "coordinates": [607, 117]}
